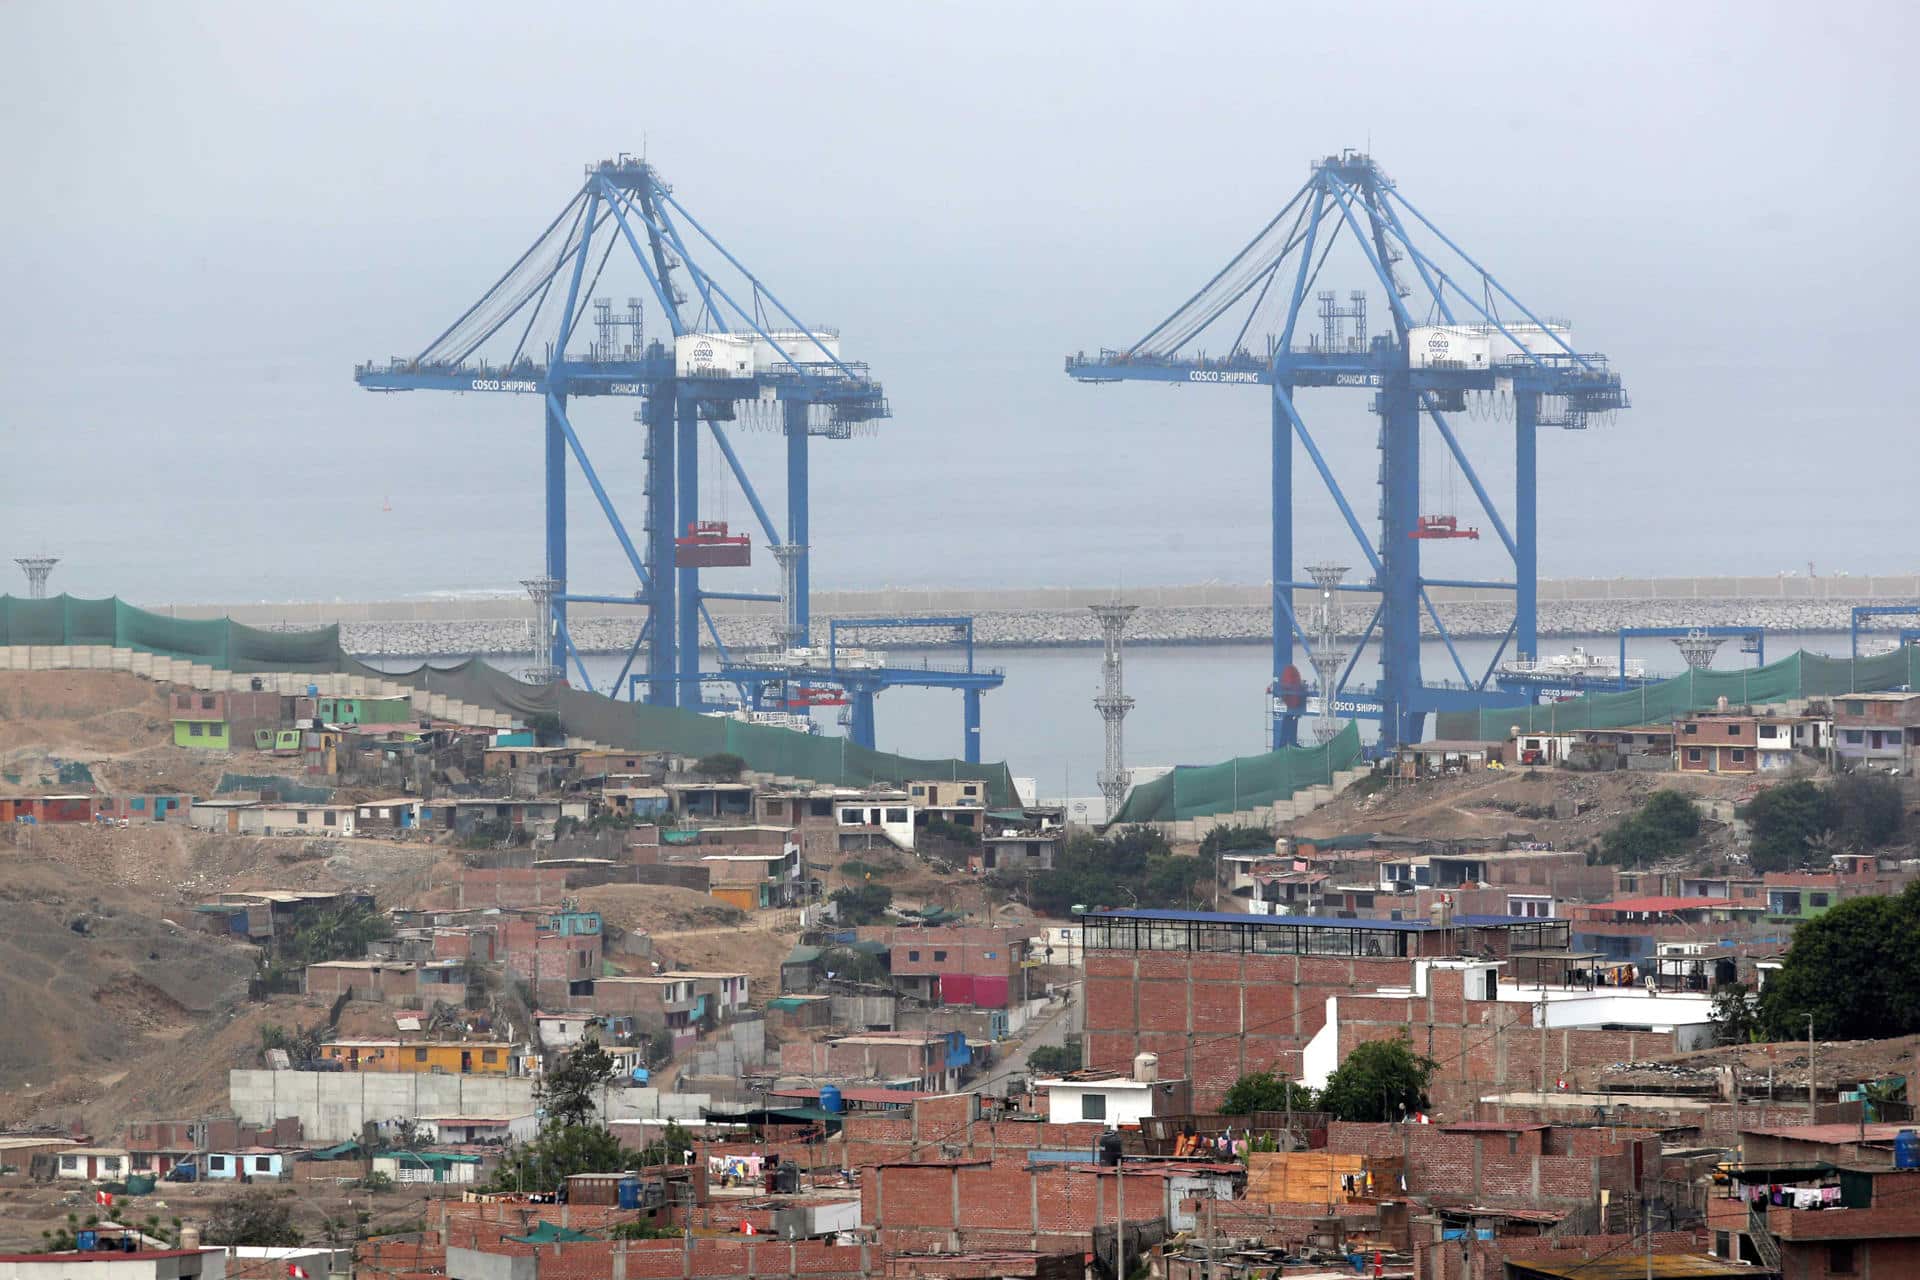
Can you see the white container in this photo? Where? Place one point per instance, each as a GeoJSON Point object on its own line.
{"type": "Point", "coordinates": [1146, 1068]}
{"type": "Point", "coordinates": [1443, 346]}
{"type": "Point", "coordinates": [1528, 338]}
{"type": "Point", "coordinates": [713, 355]}
{"type": "Point", "coordinates": [801, 349]}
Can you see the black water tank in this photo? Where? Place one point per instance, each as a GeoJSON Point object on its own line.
{"type": "Point", "coordinates": [1110, 1145]}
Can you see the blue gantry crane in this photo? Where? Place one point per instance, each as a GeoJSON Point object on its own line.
{"type": "Point", "coordinates": [852, 678]}
{"type": "Point", "coordinates": [1456, 332]}
{"type": "Point", "coordinates": [1862, 615]}
{"type": "Point", "coordinates": [732, 352]}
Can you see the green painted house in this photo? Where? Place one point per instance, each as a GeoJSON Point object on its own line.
{"type": "Point", "coordinates": [204, 735]}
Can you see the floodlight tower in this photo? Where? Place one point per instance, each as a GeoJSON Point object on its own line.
{"type": "Point", "coordinates": [1112, 702]}
{"type": "Point", "coordinates": [1327, 657]}
{"type": "Point", "coordinates": [37, 568]}
{"type": "Point", "coordinates": [540, 631]}
{"type": "Point", "coordinates": [1697, 648]}
{"type": "Point", "coordinates": [1455, 331]}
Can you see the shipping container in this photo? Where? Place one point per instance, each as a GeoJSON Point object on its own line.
{"type": "Point", "coordinates": [713, 355]}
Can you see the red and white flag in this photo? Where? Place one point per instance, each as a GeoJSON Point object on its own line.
{"type": "Point", "coordinates": [296, 1272]}
{"type": "Point", "coordinates": [747, 1228]}
{"type": "Point", "coordinates": [103, 1198]}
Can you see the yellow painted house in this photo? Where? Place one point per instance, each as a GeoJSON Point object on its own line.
{"type": "Point", "coordinates": [440, 1057]}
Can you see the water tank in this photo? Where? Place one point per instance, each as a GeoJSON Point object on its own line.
{"type": "Point", "coordinates": [1146, 1067]}
{"type": "Point", "coordinates": [1906, 1150]}
{"type": "Point", "coordinates": [629, 1193]}
{"type": "Point", "coordinates": [189, 1237]}
{"type": "Point", "coordinates": [1111, 1145]}
{"type": "Point", "coordinates": [86, 1241]}
{"type": "Point", "coordinates": [1442, 912]}
{"type": "Point", "coordinates": [830, 1099]}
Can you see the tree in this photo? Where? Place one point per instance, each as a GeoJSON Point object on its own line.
{"type": "Point", "coordinates": [571, 1091]}
{"type": "Point", "coordinates": [1867, 811]}
{"type": "Point", "coordinates": [1380, 1080]}
{"type": "Point", "coordinates": [255, 1218]}
{"type": "Point", "coordinates": [864, 903]}
{"type": "Point", "coordinates": [1736, 1015]}
{"type": "Point", "coordinates": [1666, 824]}
{"type": "Point", "coordinates": [1133, 865]}
{"type": "Point", "coordinates": [1785, 821]}
{"type": "Point", "coordinates": [561, 1151]}
{"type": "Point", "coordinates": [319, 934]}
{"type": "Point", "coordinates": [721, 764]}
{"type": "Point", "coordinates": [1234, 839]}
{"type": "Point", "coordinates": [1265, 1091]}
{"type": "Point", "coordinates": [1853, 970]}
{"type": "Point", "coordinates": [1055, 1059]}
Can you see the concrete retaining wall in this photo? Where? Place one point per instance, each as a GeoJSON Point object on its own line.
{"type": "Point", "coordinates": [333, 1106]}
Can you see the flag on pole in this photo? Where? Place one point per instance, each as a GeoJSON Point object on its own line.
{"type": "Point", "coordinates": [746, 1228]}
{"type": "Point", "coordinates": [103, 1198]}
{"type": "Point", "coordinates": [296, 1272]}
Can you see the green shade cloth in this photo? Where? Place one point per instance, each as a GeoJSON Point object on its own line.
{"type": "Point", "coordinates": [1246, 782]}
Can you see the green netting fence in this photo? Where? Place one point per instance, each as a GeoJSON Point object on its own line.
{"type": "Point", "coordinates": [234, 646]}
{"type": "Point", "coordinates": [1800, 675]}
{"type": "Point", "coordinates": [1245, 782]}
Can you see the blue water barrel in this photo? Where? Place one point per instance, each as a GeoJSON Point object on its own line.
{"type": "Point", "coordinates": [1906, 1150]}
{"type": "Point", "coordinates": [830, 1099]}
{"type": "Point", "coordinates": [629, 1193]}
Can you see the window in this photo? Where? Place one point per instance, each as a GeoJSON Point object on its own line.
{"type": "Point", "coordinates": [261, 1164]}
{"type": "Point", "coordinates": [419, 1055]}
{"type": "Point", "coordinates": [1693, 755]}
{"type": "Point", "coordinates": [896, 815]}
{"type": "Point", "coordinates": [217, 1163]}
{"type": "Point", "coordinates": [196, 730]}
{"type": "Point", "coordinates": [1840, 1259]}
{"type": "Point", "coordinates": [1851, 736]}
{"type": "Point", "coordinates": [819, 808]}
{"type": "Point", "coordinates": [1769, 731]}
{"type": "Point", "coordinates": [776, 808]}
{"type": "Point", "coordinates": [851, 817]}
{"type": "Point", "coordinates": [1819, 899]}
{"type": "Point", "coordinates": [138, 804]}
{"type": "Point", "coordinates": [1691, 728]}
{"type": "Point", "coordinates": [1739, 755]}
{"type": "Point", "coordinates": [913, 955]}
{"type": "Point", "coordinates": [939, 956]}
{"type": "Point", "coordinates": [330, 817]}
{"type": "Point", "coordinates": [490, 1055]}
{"type": "Point", "coordinates": [301, 817]}
{"type": "Point", "coordinates": [1513, 1144]}
{"type": "Point", "coordinates": [1093, 1106]}
{"type": "Point", "coordinates": [69, 1163]}
{"type": "Point", "coordinates": [1733, 731]}
{"type": "Point", "coordinates": [970, 790]}
{"type": "Point", "coordinates": [206, 702]}
{"type": "Point", "coordinates": [1854, 708]}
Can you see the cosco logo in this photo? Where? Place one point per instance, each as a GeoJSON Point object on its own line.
{"type": "Point", "coordinates": [703, 353]}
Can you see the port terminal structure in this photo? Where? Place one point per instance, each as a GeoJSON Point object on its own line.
{"type": "Point", "coordinates": [1456, 333]}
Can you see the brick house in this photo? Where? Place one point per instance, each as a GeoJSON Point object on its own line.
{"type": "Point", "coordinates": [1876, 729]}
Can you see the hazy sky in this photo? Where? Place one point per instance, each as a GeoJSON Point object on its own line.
{"type": "Point", "coordinates": [214, 210]}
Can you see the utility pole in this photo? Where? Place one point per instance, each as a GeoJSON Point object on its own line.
{"type": "Point", "coordinates": [1542, 1015]}
{"type": "Point", "coordinates": [1810, 1084]}
{"type": "Point", "coordinates": [1120, 1211]}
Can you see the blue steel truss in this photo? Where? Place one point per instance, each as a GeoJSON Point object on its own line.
{"type": "Point", "coordinates": [1255, 303]}
{"type": "Point", "coordinates": [1861, 617]}
{"type": "Point", "coordinates": [795, 376]}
